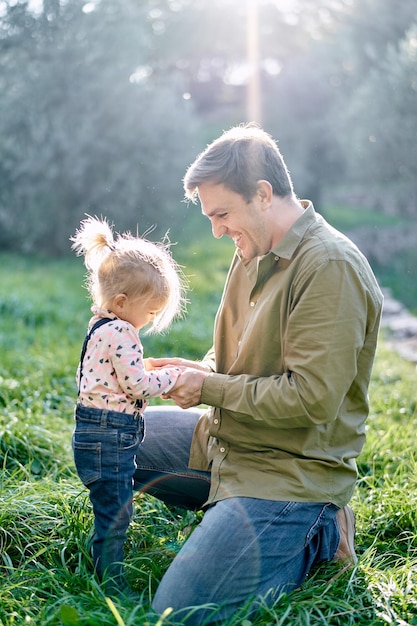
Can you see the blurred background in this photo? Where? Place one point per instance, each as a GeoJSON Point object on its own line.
{"type": "Point", "coordinates": [104, 104]}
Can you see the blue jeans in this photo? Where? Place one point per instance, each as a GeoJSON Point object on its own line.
{"type": "Point", "coordinates": [244, 548]}
{"type": "Point", "coordinates": [105, 445]}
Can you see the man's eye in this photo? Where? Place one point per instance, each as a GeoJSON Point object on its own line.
{"type": "Point", "coordinates": [222, 215]}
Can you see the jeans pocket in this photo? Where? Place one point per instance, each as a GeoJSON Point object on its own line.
{"type": "Point", "coordinates": [129, 441]}
{"type": "Point", "coordinates": [87, 458]}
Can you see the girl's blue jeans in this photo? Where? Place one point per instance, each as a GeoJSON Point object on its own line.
{"type": "Point", "coordinates": [105, 445]}
{"type": "Point", "coordinates": [244, 549]}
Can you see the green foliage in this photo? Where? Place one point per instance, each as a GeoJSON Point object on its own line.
{"type": "Point", "coordinates": [349, 218]}
{"type": "Point", "coordinates": [383, 144]}
{"type": "Point", "coordinates": [399, 275]}
{"type": "Point", "coordinates": [80, 131]}
{"type": "Point", "coordinates": [344, 109]}
{"type": "Point", "coordinates": [45, 517]}
{"type": "Point", "coordinates": [99, 116]}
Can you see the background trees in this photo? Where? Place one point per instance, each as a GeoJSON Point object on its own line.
{"type": "Point", "coordinates": [103, 104]}
{"type": "Point", "coordinates": [82, 127]}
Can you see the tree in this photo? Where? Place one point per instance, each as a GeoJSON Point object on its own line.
{"type": "Point", "coordinates": [82, 131]}
{"type": "Point", "coordinates": [383, 146]}
{"type": "Point", "coordinates": [103, 104]}
{"type": "Point", "coordinates": [332, 100]}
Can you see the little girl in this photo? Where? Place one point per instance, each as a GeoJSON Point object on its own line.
{"type": "Point", "coordinates": [132, 282]}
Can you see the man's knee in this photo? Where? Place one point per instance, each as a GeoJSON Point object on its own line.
{"type": "Point", "coordinates": [188, 490]}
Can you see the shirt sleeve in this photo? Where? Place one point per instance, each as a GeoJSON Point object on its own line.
{"type": "Point", "coordinates": [209, 359]}
{"type": "Point", "coordinates": [325, 332]}
{"type": "Point", "coordinates": [126, 354]}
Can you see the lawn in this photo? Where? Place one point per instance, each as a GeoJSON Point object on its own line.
{"type": "Point", "coordinates": [45, 517]}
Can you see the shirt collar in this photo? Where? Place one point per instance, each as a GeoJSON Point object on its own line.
{"type": "Point", "coordinates": [102, 312]}
{"type": "Point", "coordinates": [291, 240]}
{"type": "Point", "coordinates": [286, 247]}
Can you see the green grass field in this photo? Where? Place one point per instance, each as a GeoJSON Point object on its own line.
{"type": "Point", "coordinates": [45, 517]}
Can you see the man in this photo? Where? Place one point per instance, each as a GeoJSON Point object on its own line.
{"type": "Point", "coordinates": [273, 462]}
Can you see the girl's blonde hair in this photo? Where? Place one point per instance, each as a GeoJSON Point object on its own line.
{"type": "Point", "coordinates": [131, 265]}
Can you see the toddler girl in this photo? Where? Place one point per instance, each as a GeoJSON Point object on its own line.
{"type": "Point", "coordinates": [132, 282]}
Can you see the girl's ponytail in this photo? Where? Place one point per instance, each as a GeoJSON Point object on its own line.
{"type": "Point", "coordinates": [94, 239]}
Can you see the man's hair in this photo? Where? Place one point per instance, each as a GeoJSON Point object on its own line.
{"type": "Point", "coordinates": [238, 159]}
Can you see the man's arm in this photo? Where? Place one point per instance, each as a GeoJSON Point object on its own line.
{"type": "Point", "coordinates": [187, 391]}
{"type": "Point", "coordinates": [326, 333]}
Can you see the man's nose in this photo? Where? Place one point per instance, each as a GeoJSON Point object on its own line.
{"type": "Point", "coordinates": [218, 230]}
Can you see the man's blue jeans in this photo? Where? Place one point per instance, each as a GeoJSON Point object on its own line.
{"type": "Point", "coordinates": [244, 549]}
{"type": "Point", "coordinates": [105, 444]}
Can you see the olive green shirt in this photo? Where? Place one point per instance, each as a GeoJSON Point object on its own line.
{"type": "Point", "coordinates": [294, 343]}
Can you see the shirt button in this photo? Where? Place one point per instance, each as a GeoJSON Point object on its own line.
{"type": "Point", "coordinates": [216, 421]}
{"type": "Point", "coordinates": [277, 258]}
{"type": "Point", "coordinates": [252, 304]}
{"type": "Point", "coordinates": [222, 449]}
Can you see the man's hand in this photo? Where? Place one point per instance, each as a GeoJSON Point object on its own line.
{"type": "Point", "coordinates": [187, 391]}
{"type": "Point", "coordinates": [176, 362]}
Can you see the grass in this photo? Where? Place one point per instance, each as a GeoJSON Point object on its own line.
{"type": "Point", "coordinates": [45, 517]}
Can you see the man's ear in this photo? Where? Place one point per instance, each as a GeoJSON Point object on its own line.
{"type": "Point", "coordinates": [265, 193]}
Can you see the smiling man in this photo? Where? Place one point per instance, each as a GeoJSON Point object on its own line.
{"type": "Point", "coordinates": [273, 461]}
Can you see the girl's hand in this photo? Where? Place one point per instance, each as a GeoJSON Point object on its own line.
{"type": "Point", "coordinates": [147, 365]}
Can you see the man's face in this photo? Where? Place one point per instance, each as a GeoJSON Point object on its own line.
{"type": "Point", "coordinates": [232, 215]}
